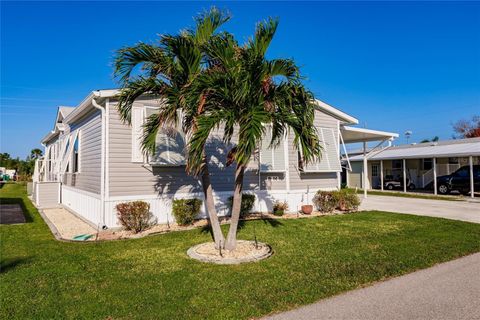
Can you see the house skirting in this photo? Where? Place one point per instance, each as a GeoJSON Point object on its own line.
{"type": "Point", "coordinates": [88, 205]}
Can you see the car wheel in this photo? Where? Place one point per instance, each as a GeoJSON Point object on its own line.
{"type": "Point", "coordinates": [389, 186]}
{"type": "Point", "coordinates": [411, 186]}
{"type": "Point", "coordinates": [443, 189]}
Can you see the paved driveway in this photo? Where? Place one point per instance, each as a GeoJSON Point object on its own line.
{"type": "Point", "coordinates": [447, 291]}
{"type": "Point", "coordinates": [456, 210]}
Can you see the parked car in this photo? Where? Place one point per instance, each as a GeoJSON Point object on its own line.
{"type": "Point", "coordinates": [392, 183]}
{"type": "Point", "coordinates": [459, 181]}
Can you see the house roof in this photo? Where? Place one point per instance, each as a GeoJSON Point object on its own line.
{"type": "Point", "coordinates": [353, 135]}
{"type": "Point", "coordinates": [447, 148]}
{"type": "Point", "coordinates": [336, 113]}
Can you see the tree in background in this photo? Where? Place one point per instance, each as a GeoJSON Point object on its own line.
{"type": "Point", "coordinates": [467, 128]}
{"type": "Point", "coordinates": [36, 153]}
{"type": "Point", "coordinates": [434, 139]}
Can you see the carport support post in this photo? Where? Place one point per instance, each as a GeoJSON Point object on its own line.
{"type": "Point", "coordinates": [365, 170]}
{"type": "Point", "coordinates": [381, 175]}
{"type": "Point", "coordinates": [472, 186]}
{"type": "Point", "coordinates": [404, 175]}
{"type": "Point", "coordinates": [435, 176]}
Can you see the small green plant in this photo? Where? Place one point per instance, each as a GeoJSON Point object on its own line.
{"type": "Point", "coordinates": [325, 201]}
{"type": "Point", "coordinates": [248, 200]}
{"type": "Point", "coordinates": [135, 216]}
{"type": "Point", "coordinates": [280, 207]}
{"type": "Point", "coordinates": [186, 210]}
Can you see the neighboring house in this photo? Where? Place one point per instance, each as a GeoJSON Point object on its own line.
{"type": "Point", "coordinates": [93, 161]}
{"type": "Point", "coordinates": [420, 163]}
{"type": "Point", "coordinates": [7, 173]}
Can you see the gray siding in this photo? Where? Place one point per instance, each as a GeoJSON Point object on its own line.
{"type": "Point", "coordinates": [90, 148]}
{"type": "Point", "coordinates": [127, 178]}
{"type": "Point", "coordinates": [311, 180]}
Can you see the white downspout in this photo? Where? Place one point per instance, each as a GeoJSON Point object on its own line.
{"type": "Point", "coordinates": [102, 159]}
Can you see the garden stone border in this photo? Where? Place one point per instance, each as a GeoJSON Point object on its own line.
{"type": "Point", "coordinates": [264, 254]}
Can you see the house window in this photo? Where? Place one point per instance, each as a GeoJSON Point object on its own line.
{"type": "Point", "coordinates": [169, 144]}
{"type": "Point", "coordinates": [374, 170]}
{"type": "Point", "coordinates": [453, 160]}
{"type": "Point", "coordinates": [76, 158]}
{"type": "Point", "coordinates": [396, 164]}
{"type": "Point", "coordinates": [427, 164]}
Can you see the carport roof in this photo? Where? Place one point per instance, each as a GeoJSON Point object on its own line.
{"type": "Point", "coordinates": [354, 135]}
{"type": "Point", "coordinates": [441, 149]}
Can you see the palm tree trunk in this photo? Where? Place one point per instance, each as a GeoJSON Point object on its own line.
{"type": "Point", "coordinates": [231, 243]}
{"type": "Point", "coordinates": [212, 211]}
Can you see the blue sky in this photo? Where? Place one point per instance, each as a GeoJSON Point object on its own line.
{"type": "Point", "coordinates": [395, 66]}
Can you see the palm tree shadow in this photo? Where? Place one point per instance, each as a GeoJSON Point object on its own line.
{"type": "Point", "coordinates": [243, 222]}
{"type": "Point", "coordinates": [9, 264]}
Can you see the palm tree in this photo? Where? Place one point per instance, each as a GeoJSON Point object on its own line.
{"type": "Point", "coordinates": [168, 71]}
{"type": "Point", "coordinates": [36, 153]}
{"type": "Point", "coordinates": [243, 92]}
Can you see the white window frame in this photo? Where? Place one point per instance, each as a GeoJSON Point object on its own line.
{"type": "Point", "coordinates": [337, 150]}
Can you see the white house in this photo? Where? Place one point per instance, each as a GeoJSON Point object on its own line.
{"type": "Point", "coordinates": [93, 161]}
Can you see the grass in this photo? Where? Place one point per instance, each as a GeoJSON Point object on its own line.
{"type": "Point", "coordinates": [152, 277]}
{"type": "Point", "coordinates": [410, 195]}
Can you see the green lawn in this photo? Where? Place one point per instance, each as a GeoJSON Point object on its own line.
{"type": "Point", "coordinates": [152, 277]}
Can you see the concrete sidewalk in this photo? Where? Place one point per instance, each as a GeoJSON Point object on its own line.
{"type": "Point", "coordinates": [456, 210]}
{"type": "Point", "coordinates": [447, 291]}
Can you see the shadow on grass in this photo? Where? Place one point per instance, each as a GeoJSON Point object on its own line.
{"type": "Point", "coordinates": [10, 264]}
{"type": "Point", "coordinates": [242, 223]}
{"type": "Point", "coordinates": [21, 202]}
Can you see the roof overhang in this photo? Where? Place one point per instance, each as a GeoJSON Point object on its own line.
{"type": "Point", "coordinates": [334, 112]}
{"type": "Point", "coordinates": [52, 134]}
{"type": "Point", "coordinates": [86, 104]}
{"type": "Point", "coordinates": [355, 135]}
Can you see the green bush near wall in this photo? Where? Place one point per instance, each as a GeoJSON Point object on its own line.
{"type": "Point", "coordinates": [248, 200]}
{"type": "Point", "coordinates": [186, 210]}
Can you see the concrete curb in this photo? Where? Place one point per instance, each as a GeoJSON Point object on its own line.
{"type": "Point", "coordinates": [192, 253]}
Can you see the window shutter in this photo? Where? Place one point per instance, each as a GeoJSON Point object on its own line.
{"type": "Point", "coordinates": [330, 161]}
{"type": "Point", "coordinates": [271, 159]}
{"type": "Point", "coordinates": [169, 146]}
{"type": "Point", "coordinates": [137, 131]}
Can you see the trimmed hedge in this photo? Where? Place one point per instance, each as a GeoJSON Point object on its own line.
{"type": "Point", "coordinates": [135, 215]}
{"type": "Point", "coordinates": [186, 210]}
{"type": "Point", "coordinates": [344, 200]}
{"type": "Point", "coordinates": [248, 200]}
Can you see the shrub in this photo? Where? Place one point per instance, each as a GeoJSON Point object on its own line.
{"type": "Point", "coordinates": [280, 207]}
{"type": "Point", "coordinates": [186, 210]}
{"type": "Point", "coordinates": [348, 200]}
{"type": "Point", "coordinates": [344, 200]}
{"type": "Point", "coordinates": [135, 216]}
{"type": "Point", "coordinates": [325, 201]}
{"type": "Point", "coordinates": [248, 200]}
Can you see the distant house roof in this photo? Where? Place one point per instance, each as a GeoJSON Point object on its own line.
{"type": "Point", "coordinates": [447, 148]}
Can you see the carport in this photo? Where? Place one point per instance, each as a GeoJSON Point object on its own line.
{"type": "Point", "coordinates": [351, 135]}
{"type": "Point", "coordinates": [464, 148]}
